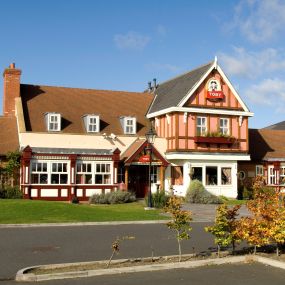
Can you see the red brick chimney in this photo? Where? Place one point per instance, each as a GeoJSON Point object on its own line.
{"type": "Point", "coordinates": [11, 77]}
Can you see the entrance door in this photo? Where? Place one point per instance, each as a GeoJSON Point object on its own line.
{"type": "Point", "coordinates": [138, 180]}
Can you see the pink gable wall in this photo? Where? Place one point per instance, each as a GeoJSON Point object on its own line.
{"type": "Point", "coordinates": [181, 135]}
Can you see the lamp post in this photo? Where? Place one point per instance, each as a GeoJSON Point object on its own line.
{"type": "Point", "coordinates": [150, 137]}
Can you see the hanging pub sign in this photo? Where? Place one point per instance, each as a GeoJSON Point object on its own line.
{"type": "Point", "coordinates": [214, 90]}
{"type": "Point", "coordinates": [144, 158]}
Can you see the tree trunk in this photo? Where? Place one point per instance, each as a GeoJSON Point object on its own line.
{"type": "Point", "coordinates": [179, 246]}
{"type": "Point", "coordinates": [234, 246]}
{"type": "Point", "coordinates": [277, 249]}
{"type": "Point", "coordinates": [219, 251]}
{"type": "Point", "coordinates": [108, 264]}
{"type": "Point", "coordinates": [254, 250]}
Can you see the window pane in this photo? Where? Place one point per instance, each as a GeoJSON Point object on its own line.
{"type": "Point", "coordinates": [43, 179]}
{"type": "Point", "coordinates": [177, 175]}
{"type": "Point", "coordinates": [226, 176]}
{"type": "Point", "coordinates": [35, 178]}
{"type": "Point", "coordinates": [197, 173]}
{"type": "Point", "coordinates": [211, 175]}
{"type": "Point", "coordinates": [34, 166]}
{"type": "Point", "coordinates": [97, 167]}
{"type": "Point", "coordinates": [54, 167]}
{"type": "Point", "coordinates": [55, 179]}
{"type": "Point", "coordinates": [98, 179]}
{"type": "Point", "coordinates": [59, 167]}
{"type": "Point", "coordinates": [63, 178]}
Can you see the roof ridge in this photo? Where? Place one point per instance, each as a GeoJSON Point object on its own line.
{"type": "Point", "coordinates": [65, 87]}
{"type": "Point", "coordinates": [186, 72]}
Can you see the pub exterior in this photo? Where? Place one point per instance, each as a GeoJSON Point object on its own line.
{"type": "Point", "coordinates": [80, 142]}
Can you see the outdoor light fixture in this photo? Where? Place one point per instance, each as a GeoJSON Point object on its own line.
{"type": "Point", "coordinates": [150, 137]}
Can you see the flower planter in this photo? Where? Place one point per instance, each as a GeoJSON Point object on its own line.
{"type": "Point", "coordinates": [214, 140]}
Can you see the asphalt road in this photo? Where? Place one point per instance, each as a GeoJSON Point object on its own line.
{"type": "Point", "coordinates": [236, 274]}
{"type": "Point", "coordinates": [24, 247]}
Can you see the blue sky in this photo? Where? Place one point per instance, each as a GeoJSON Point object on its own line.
{"type": "Point", "coordinates": [121, 45]}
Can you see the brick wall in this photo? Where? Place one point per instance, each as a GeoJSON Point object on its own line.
{"type": "Point", "coordinates": [11, 84]}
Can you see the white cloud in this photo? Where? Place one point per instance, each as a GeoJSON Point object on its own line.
{"type": "Point", "coordinates": [260, 20]}
{"type": "Point", "coordinates": [252, 64]}
{"type": "Point", "coordinates": [161, 30]}
{"type": "Point", "coordinates": [163, 67]}
{"type": "Point", "coordinates": [131, 41]}
{"type": "Point", "coordinates": [268, 92]}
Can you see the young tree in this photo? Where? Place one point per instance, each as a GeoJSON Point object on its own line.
{"type": "Point", "coordinates": [225, 228]}
{"type": "Point", "coordinates": [116, 246]}
{"type": "Point", "coordinates": [180, 220]}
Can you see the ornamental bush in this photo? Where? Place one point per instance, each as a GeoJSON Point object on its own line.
{"type": "Point", "coordinates": [159, 199]}
{"type": "Point", "coordinates": [11, 192]}
{"type": "Point", "coordinates": [116, 197]}
{"type": "Point", "coordinates": [197, 193]}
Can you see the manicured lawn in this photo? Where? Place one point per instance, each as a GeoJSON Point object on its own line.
{"type": "Point", "coordinates": [27, 211]}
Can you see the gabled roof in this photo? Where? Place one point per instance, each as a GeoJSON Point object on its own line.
{"type": "Point", "coordinates": [8, 135]}
{"type": "Point", "coordinates": [277, 126]}
{"type": "Point", "coordinates": [174, 93]}
{"type": "Point", "coordinates": [266, 144]}
{"type": "Point", "coordinates": [73, 103]}
{"type": "Point", "coordinates": [171, 92]}
{"type": "Point", "coordinates": [136, 148]}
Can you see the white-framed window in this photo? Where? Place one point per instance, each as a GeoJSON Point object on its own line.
{"type": "Point", "coordinates": [224, 126]}
{"type": "Point", "coordinates": [272, 179]}
{"type": "Point", "coordinates": [93, 124]}
{"type": "Point", "coordinates": [153, 178]}
{"type": "Point", "coordinates": [39, 173]}
{"type": "Point", "coordinates": [226, 175]}
{"type": "Point", "coordinates": [53, 121]}
{"type": "Point", "coordinates": [211, 175]}
{"type": "Point", "coordinates": [49, 172]}
{"type": "Point", "coordinates": [102, 173]}
{"type": "Point", "coordinates": [130, 125]}
{"type": "Point", "coordinates": [84, 173]}
{"type": "Point", "coordinates": [201, 126]}
{"type": "Point", "coordinates": [282, 175]}
{"type": "Point", "coordinates": [59, 173]}
{"type": "Point", "coordinates": [259, 170]}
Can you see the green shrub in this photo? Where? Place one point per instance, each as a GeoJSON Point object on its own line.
{"type": "Point", "coordinates": [197, 193]}
{"type": "Point", "coordinates": [159, 199]}
{"type": "Point", "coordinates": [245, 193]}
{"type": "Point", "coordinates": [116, 197]}
{"type": "Point", "coordinates": [11, 192]}
{"type": "Point", "coordinates": [74, 200]}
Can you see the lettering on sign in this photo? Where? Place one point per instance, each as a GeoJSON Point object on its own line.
{"type": "Point", "coordinates": [214, 90]}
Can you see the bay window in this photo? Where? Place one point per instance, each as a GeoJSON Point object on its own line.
{"type": "Point", "coordinates": [84, 173]}
{"type": "Point", "coordinates": [102, 173]}
{"type": "Point", "coordinates": [39, 173]}
{"type": "Point", "coordinates": [59, 174]}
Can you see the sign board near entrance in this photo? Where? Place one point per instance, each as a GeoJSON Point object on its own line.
{"type": "Point", "coordinates": [144, 158]}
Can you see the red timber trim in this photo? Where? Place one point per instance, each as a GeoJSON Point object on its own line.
{"type": "Point", "coordinates": [116, 159]}
{"type": "Point", "coordinates": [246, 126]}
{"type": "Point", "coordinates": [64, 191]}
{"type": "Point", "coordinates": [176, 130]}
{"type": "Point", "coordinates": [131, 158]}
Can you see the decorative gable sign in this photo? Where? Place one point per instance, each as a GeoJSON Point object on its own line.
{"type": "Point", "coordinates": [214, 90]}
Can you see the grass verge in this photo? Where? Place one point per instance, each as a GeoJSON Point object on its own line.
{"type": "Point", "coordinates": [27, 211]}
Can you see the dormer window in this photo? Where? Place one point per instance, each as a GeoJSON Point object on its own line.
{"type": "Point", "coordinates": [92, 123]}
{"type": "Point", "coordinates": [53, 122]}
{"type": "Point", "coordinates": [129, 125]}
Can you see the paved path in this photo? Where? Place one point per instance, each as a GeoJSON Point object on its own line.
{"type": "Point", "coordinates": [206, 213]}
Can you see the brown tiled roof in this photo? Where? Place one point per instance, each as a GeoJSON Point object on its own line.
{"type": "Point", "coordinates": [132, 149]}
{"type": "Point", "coordinates": [73, 103]}
{"type": "Point", "coordinates": [8, 135]}
{"type": "Point", "coordinates": [266, 144]}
